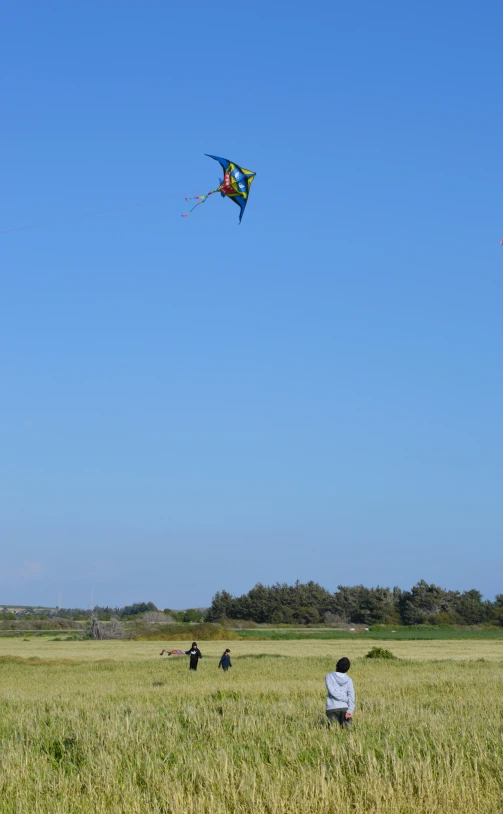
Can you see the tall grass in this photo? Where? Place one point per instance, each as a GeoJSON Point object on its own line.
{"type": "Point", "coordinates": [133, 733]}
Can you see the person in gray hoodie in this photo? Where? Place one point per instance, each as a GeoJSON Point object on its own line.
{"type": "Point", "coordinates": [340, 694]}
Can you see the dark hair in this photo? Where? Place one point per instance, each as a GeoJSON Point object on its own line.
{"type": "Point", "coordinates": [343, 665]}
{"type": "Point", "coordinates": [227, 651]}
{"type": "Point", "coordinates": [194, 644]}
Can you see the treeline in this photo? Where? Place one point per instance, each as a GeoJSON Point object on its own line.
{"type": "Point", "coordinates": [77, 614]}
{"type": "Point", "coordinates": [106, 612]}
{"type": "Point", "coordinates": [312, 604]}
{"type": "Point", "coordinates": [147, 611]}
{"type": "Point", "coordinates": [299, 604]}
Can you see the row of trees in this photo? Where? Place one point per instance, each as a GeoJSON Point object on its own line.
{"type": "Point", "coordinates": [146, 611]}
{"type": "Point", "coordinates": [310, 603]}
{"type": "Point", "coordinates": [77, 614]}
{"type": "Point", "coordinates": [106, 612]}
{"type": "Point", "coordinates": [304, 604]}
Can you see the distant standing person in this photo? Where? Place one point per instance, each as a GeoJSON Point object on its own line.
{"type": "Point", "coordinates": [340, 694]}
{"type": "Point", "coordinates": [194, 655]}
{"type": "Point", "coordinates": [225, 661]}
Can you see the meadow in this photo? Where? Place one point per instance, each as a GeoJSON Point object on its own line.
{"type": "Point", "coordinates": [380, 632]}
{"type": "Point", "coordinates": [111, 727]}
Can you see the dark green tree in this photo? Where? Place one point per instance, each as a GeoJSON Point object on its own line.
{"type": "Point", "coordinates": [424, 602]}
{"type": "Point", "coordinates": [497, 610]}
{"type": "Point", "coordinates": [192, 615]}
{"type": "Point", "coordinates": [470, 608]}
{"type": "Point", "coordinates": [308, 615]}
{"type": "Point", "coordinates": [129, 610]}
{"type": "Point", "coordinates": [220, 607]}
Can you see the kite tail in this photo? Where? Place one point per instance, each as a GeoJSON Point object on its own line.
{"type": "Point", "coordinates": [200, 200]}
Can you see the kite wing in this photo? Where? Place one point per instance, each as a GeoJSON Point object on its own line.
{"type": "Point", "coordinates": [236, 184]}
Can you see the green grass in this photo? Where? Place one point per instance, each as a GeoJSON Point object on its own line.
{"type": "Point", "coordinates": [207, 632]}
{"type": "Point", "coordinates": [94, 727]}
{"type": "Point", "coordinates": [398, 633]}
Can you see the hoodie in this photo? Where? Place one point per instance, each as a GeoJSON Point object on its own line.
{"type": "Point", "coordinates": [340, 692]}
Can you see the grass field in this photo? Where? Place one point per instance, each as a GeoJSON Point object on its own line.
{"type": "Point", "coordinates": [216, 632]}
{"type": "Point", "coordinates": [410, 633]}
{"type": "Point", "coordinates": [111, 727]}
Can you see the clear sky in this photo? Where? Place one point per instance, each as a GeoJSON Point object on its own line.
{"type": "Point", "coordinates": [188, 404]}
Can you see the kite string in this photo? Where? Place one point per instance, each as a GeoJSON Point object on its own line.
{"type": "Point", "coordinates": [87, 214]}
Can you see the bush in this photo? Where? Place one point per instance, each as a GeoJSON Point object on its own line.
{"type": "Point", "coordinates": [443, 618]}
{"type": "Point", "coordinates": [334, 620]}
{"type": "Point", "coordinates": [380, 653]}
{"type": "Point", "coordinates": [236, 624]}
{"type": "Point", "coordinates": [192, 615]}
{"type": "Point", "coordinates": [155, 618]}
{"type": "Point", "coordinates": [207, 631]}
{"type": "Point", "coordinates": [107, 630]}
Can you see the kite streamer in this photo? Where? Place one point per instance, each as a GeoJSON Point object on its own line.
{"type": "Point", "coordinates": [200, 200]}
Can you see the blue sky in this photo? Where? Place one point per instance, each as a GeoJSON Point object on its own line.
{"type": "Point", "coordinates": [189, 405]}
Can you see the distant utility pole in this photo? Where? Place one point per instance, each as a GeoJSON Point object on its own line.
{"type": "Point", "coordinates": [92, 598]}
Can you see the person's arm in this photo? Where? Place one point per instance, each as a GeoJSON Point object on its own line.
{"type": "Point", "coordinates": [187, 652]}
{"type": "Point", "coordinates": [230, 663]}
{"type": "Point", "coordinates": [199, 654]}
{"type": "Point", "coordinates": [351, 699]}
{"type": "Point", "coordinates": [220, 662]}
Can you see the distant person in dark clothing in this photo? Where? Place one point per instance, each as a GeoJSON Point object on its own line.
{"type": "Point", "coordinates": [225, 661]}
{"type": "Point", "coordinates": [194, 654]}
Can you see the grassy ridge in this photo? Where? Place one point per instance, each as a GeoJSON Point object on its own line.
{"type": "Point", "coordinates": [137, 734]}
{"type": "Point", "coordinates": [412, 633]}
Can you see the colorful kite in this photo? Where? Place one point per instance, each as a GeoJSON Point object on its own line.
{"type": "Point", "coordinates": [235, 185]}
